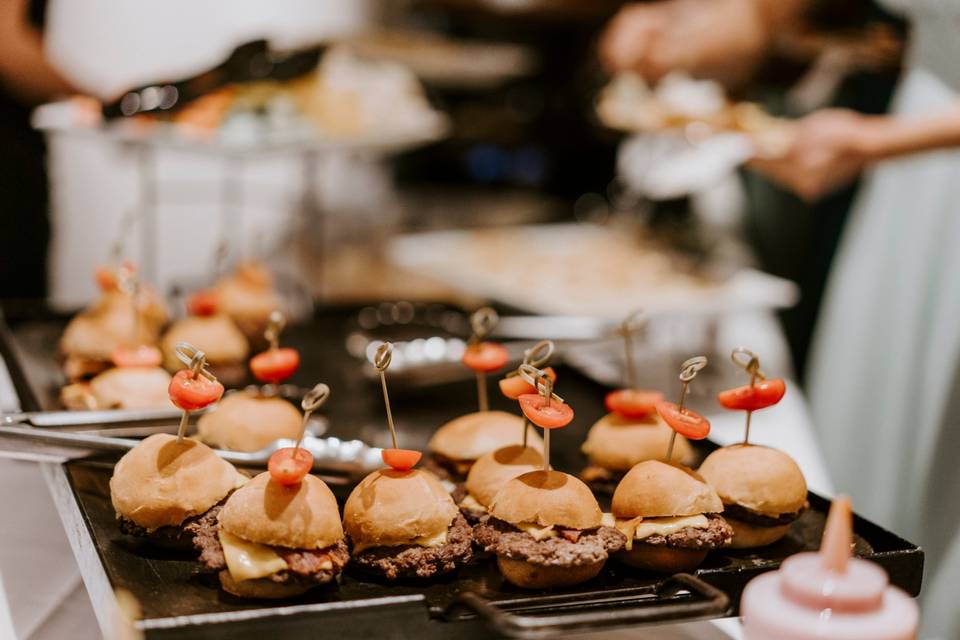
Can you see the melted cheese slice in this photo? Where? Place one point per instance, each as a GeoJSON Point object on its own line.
{"type": "Point", "coordinates": [538, 533]}
{"type": "Point", "coordinates": [249, 560]}
{"type": "Point", "coordinates": [607, 520]}
{"type": "Point", "coordinates": [641, 529]}
{"type": "Point", "coordinates": [435, 540]}
{"type": "Point", "coordinates": [471, 503]}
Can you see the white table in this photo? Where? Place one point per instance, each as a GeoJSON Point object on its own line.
{"type": "Point", "coordinates": [42, 595]}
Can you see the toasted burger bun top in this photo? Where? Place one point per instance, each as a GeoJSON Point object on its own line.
{"type": "Point", "coordinates": [391, 506]}
{"type": "Point", "coordinates": [758, 478]}
{"type": "Point", "coordinates": [493, 470]}
{"type": "Point", "coordinates": [302, 516]}
{"type": "Point", "coordinates": [217, 336]}
{"type": "Point", "coordinates": [244, 300]}
{"type": "Point", "coordinates": [246, 422]}
{"type": "Point", "coordinates": [132, 388]}
{"type": "Point", "coordinates": [547, 498]}
{"type": "Point", "coordinates": [655, 489]}
{"type": "Point", "coordinates": [161, 482]}
{"type": "Point", "coordinates": [95, 336]}
{"type": "Point", "coordinates": [470, 436]}
{"type": "Point", "coordinates": [618, 443]}
{"type": "Point", "coordinates": [153, 308]}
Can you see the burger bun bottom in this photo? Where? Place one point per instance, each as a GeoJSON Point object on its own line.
{"type": "Point", "coordinates": [534, 576]}
{"type": "Point", "coordinates": [661, 559]}
{"type": "Point", "coordinates": [261, 588]}
{"type": "Point", "coordinates": [748, 536]}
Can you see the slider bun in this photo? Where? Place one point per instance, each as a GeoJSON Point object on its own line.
{"type": "Point", "coordinates": [247, 422]}
{"type": "Point", "coordinates": [547, 498]}
{"type": "Point", "coordinates": [262, 588]}
{"type": "Point", "coordinates": [217, 336]}
{"type": "Point", "coordinates": [748, 536]}
{"type": "Point", "coordinates": [392, 506]}
{"type": "Point", "coordinates": [469, 437]}
{"type": "Point", "coordinates": [132, 388]}
{"type": "Point", "coordinates": [493, 470]}
{"type": "Point", "coordinates": [654, 489]}
{"type": "Point", "coordinates": [96, 336]}
{"type": "Point", "coordinates": [161, 482]}
{"type": "Point", "coordinates": [302, 516]}
{"type": "Point", "coordinates": [661, 559]}
{"type": "Point", "coordinates": [761, 479]}
{"type": "Point", "coordinates": [248, 298]}
{"type": "Point", "coordinates": [617, 443]}
{"type": "Point", "coordinates": [534, 576]}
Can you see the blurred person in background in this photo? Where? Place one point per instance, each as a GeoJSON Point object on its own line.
{"type": "Point", "coordinates": [26, 80]}
{"type": "Point", "coordinates": [883, 379]}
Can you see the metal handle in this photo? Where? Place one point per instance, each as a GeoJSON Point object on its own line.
{"type": "Point", "coordinates": [599, 609]}
{"type": "Point", "coordinates": [89, 418]}
{"type": "Point", "coordinates": [68, 438]}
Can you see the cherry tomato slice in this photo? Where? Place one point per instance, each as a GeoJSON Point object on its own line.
{"type": "Point", "coordinates": [400, 459]}
{"type": "Point", "coordinates": [515, 386]}
{"type": "Point", "coordinates": [485, 357]}
{"type": "Point", "coordinates": [558, 414]}
{"type": "Point", "coordinates": [633, 403]}
{"type": "Point", "coordinates": [105, 277]}
{"type": "Point", "coordinates": [761, 395]}
{"type": "Point", "coordinates": [189, 393]}
{"type": "Point", "coordinates": [687, 423]}
{"type": "Point", "coordinates": [275, 365]}
{"type": "Point", "coordinates": [202, 303]}
{"type": "Point", "coordinates": [140, 356]}
{"type": "Point", "coordinates": [288, 469]}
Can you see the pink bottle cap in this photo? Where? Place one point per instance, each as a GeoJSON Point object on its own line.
{"type": "Point", "coordinates": [830, 579]}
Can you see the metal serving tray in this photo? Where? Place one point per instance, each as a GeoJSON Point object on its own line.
{"type": "Point", "coordinates": [180, 601]}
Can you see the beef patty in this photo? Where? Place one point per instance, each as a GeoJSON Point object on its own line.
{"type": "Point", "coordinates": [737, 512]}
{"type": "Point", "coordinates": [179, 536]}
{"type": "Point", "coordinates": [303, 565]}
{"type": "Point", "coordinates": [571, 548]}
{"type": "Point", "coordinates": [414, 561]}
{"type": "Point", "coordinates": [718, 534]}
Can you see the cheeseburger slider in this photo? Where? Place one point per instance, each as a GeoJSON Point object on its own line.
{"type": "Point", "coordinates": [404, 524]}
{"type": "Point", "coordinates": [670, 517]}
{"type": "Point", "coordinates": [247, 297]}
{"type": "Point", "coordinates": [400, 521]}
{"type": "Point", "coordinates": [762, 489]}
{"type": "Point", "coordinates": [226, 348]}
{"type": "Point", "coordinates": [456, 445]}
{"type": "Point", "coordinates": [120, 388]}
{"type": "Point", "coordinates": [248, 421]}
{"type": "Point", "coordinates": [488, 475]}
{"type": "Point", "coordinates": [161, 486]}
{"type": "Point", "coordinates": [546, 529]}
{"type": "Point", "coordinates": [615, 443]}
{"type": "Point", "coordinates": [273, 540]}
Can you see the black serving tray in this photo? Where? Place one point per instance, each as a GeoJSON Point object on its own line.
{"type": "Point", "coordinates": [180, 601]}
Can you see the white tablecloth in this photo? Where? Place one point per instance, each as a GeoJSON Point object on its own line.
{"type": "Point", "coordinates": [42, 596]}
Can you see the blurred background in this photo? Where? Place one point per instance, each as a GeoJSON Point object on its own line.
{"type": "Point", "coordinates": [775, 172]}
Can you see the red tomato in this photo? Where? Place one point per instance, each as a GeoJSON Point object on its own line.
{"type": "Point", "coordinates": [558, 414]}
{"type": "Point", "coordinates": [633, 403]}
{"type": "Point", "coordinates": [275, 365]}
{"type": "Point", "coordinates": [485, 357]}
{"type": "Point", "coordinates": [140, 356]}
{"type": "Point", "coordinates": [288, 469]}
{"type": "Point", "coordinates": [189, 393]}
{"type": "Point", "coordinates": [687, 423]}
{"type": "Point", "coordinates": [761, 395]}
{"type": "Point", "coordinates": [202, 303]}
{"type": "Point", "coordinates": [105, 277]}
{"type": "Point", "coordinates": [515, 386]}
{"type": "Point", "coordinates": [400, 459]}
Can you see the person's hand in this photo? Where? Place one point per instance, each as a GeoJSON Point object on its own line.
{"type": "Point", "coordinates": [717, 39]}
{"type": "Point", "coordinates": [828, 150]}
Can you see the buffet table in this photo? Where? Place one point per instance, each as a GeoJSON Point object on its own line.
{"type": "Point", "coordinates": [42, 595]}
